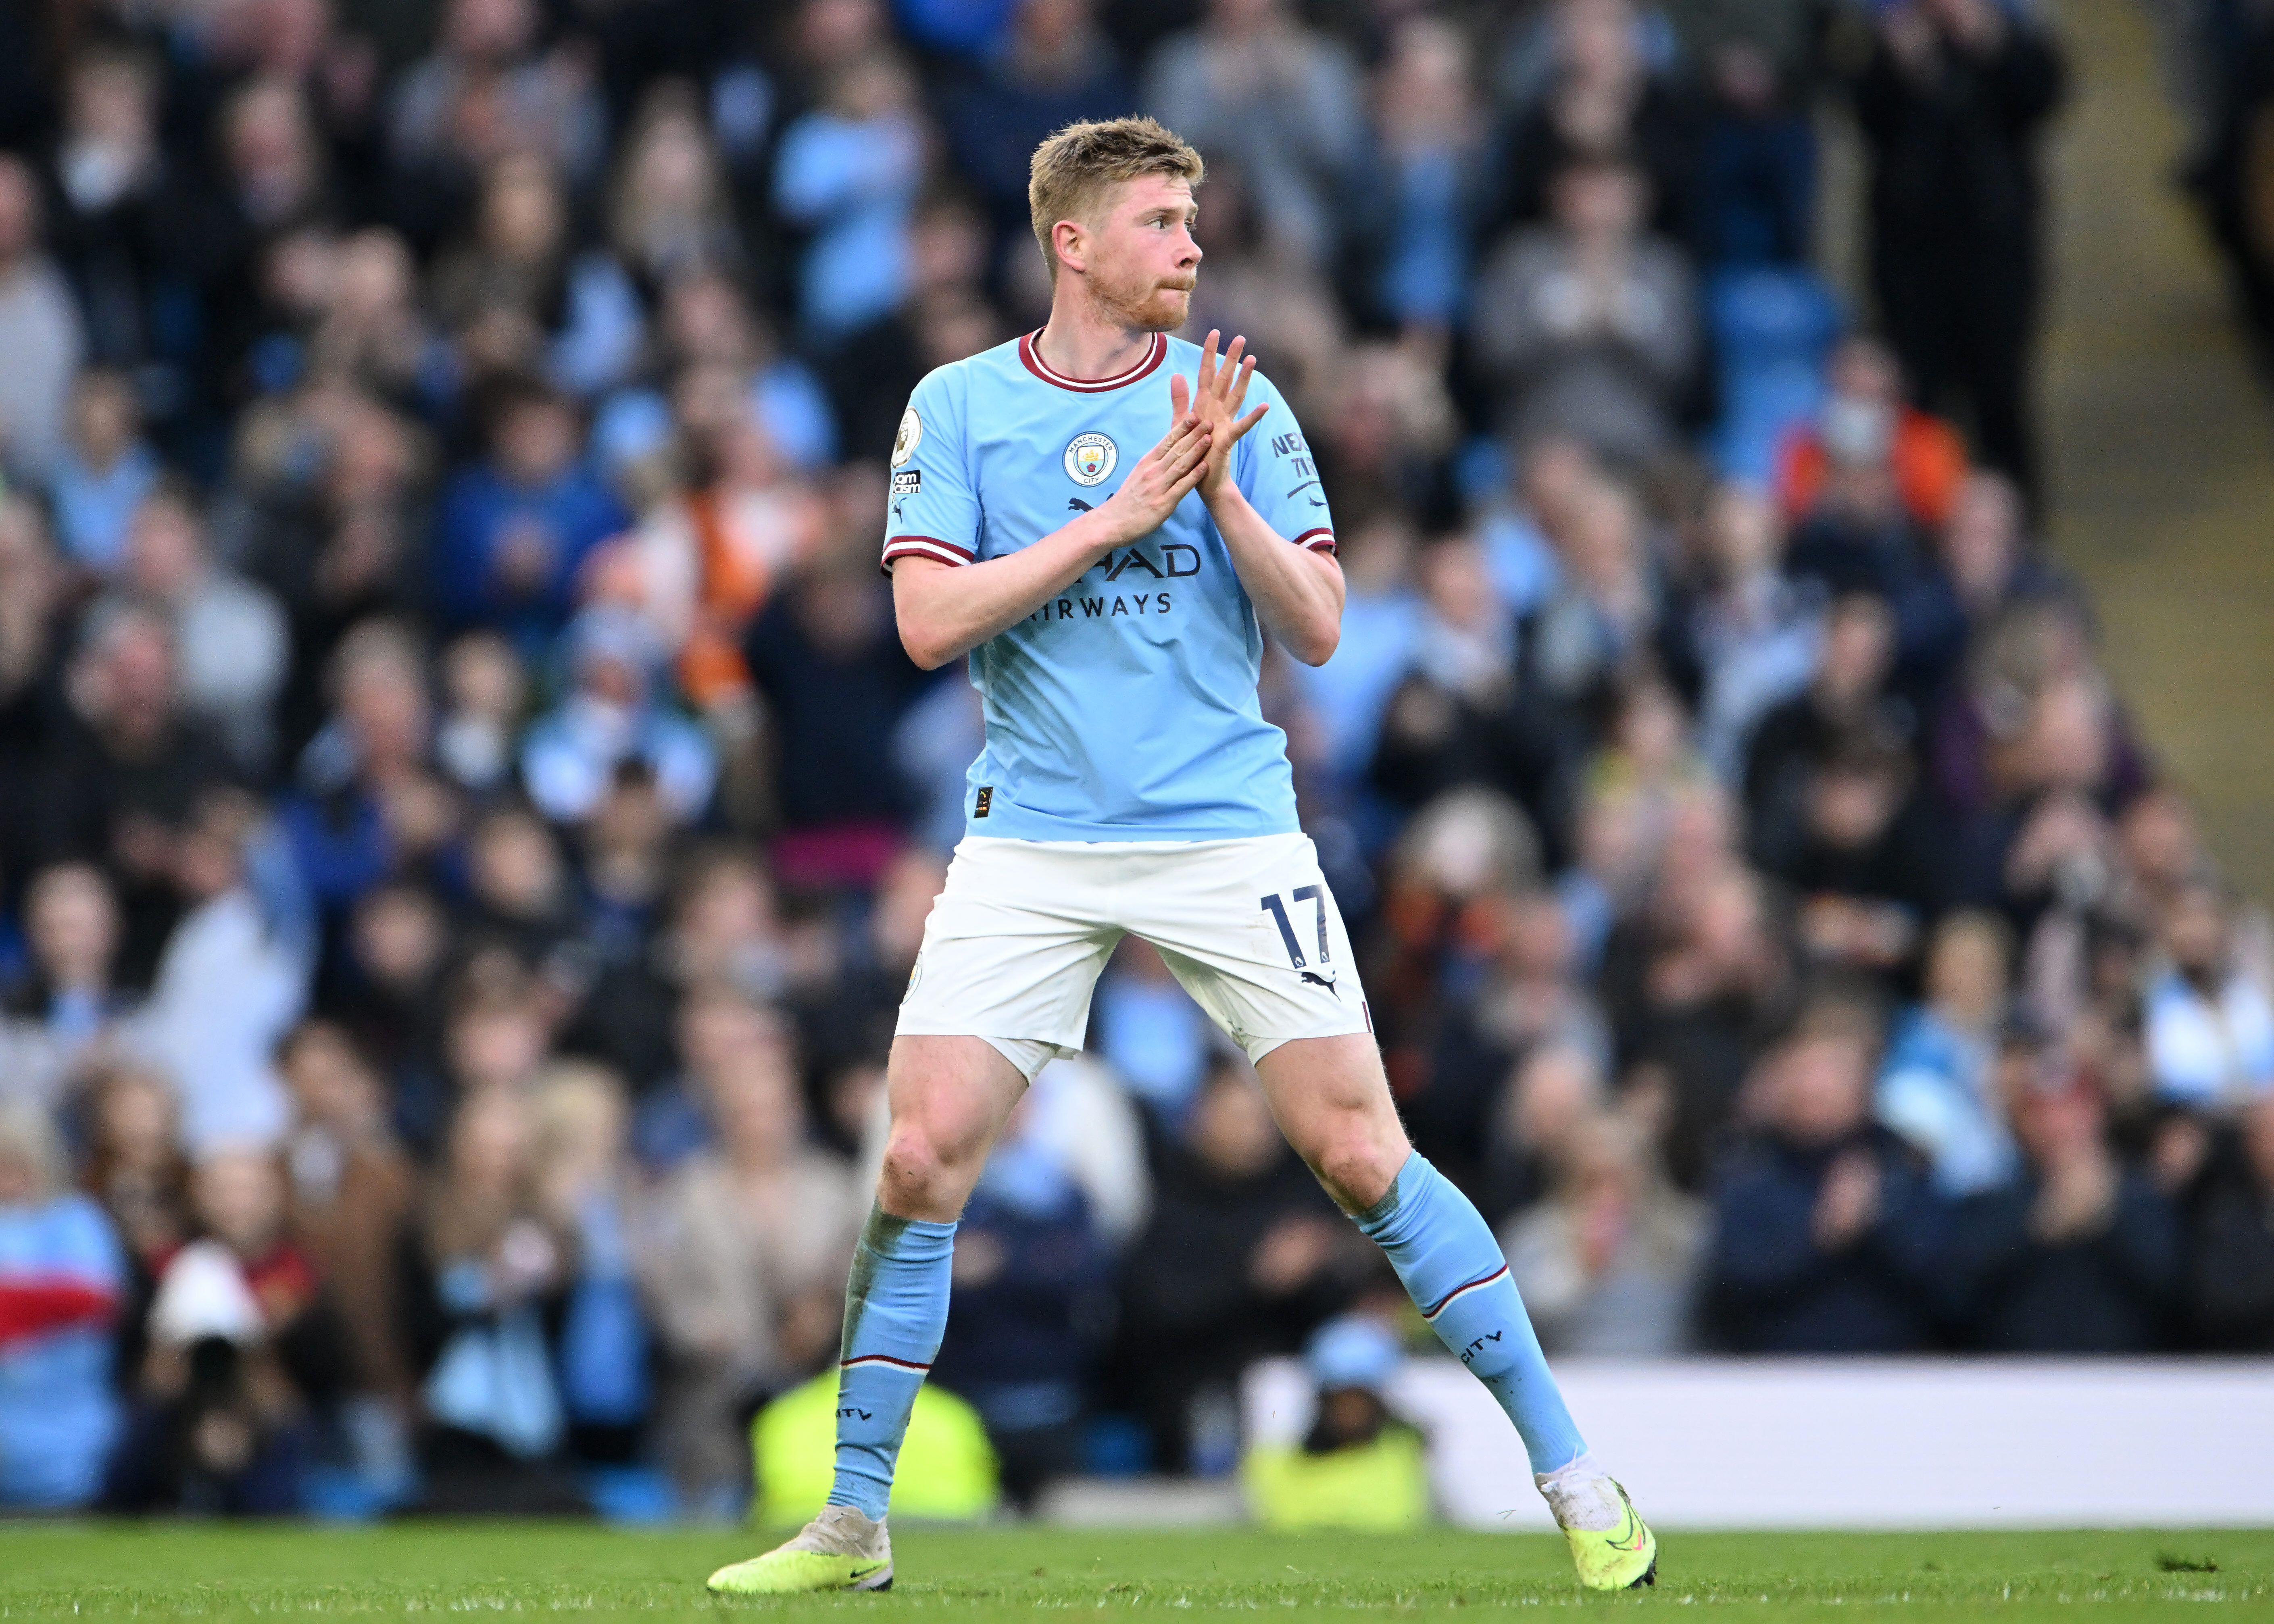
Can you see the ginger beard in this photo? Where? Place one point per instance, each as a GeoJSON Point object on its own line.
{"type": "Point", "coordinates": [1140, 299]}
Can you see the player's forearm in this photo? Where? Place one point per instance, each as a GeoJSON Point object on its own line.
{"type": "Point", "coordinates": [1297, 593]}
{"type": "Point", "coordinates": [944, 612]}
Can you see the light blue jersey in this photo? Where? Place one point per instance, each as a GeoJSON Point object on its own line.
{"type": "Point", "coordinates": [1124, 709]}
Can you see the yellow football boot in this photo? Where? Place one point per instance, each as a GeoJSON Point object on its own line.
{"type": "Point", "coordinates": [1620, 1554]}
{"type": "Point", "coordinates": [840, 1550]}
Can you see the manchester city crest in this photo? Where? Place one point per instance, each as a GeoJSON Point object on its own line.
{"type": "Point", "coordinates": [1089, 458]}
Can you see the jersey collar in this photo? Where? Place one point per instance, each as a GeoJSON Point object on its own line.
{"type": "Point", "coordinates": [1030, 353]}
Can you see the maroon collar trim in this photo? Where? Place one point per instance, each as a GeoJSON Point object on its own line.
{"type": "Point", "coordinates": [1030, 354]}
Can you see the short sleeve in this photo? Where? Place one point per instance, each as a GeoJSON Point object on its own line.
{"type": "Point", "coordinates": [934, 512]}
{"type": "Point", "coordinates": [1280, 477]}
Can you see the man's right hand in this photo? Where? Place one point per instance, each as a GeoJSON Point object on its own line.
{"type": "Point", "coordinates": [1164, 476]}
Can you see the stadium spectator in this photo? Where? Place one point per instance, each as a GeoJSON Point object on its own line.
{"type": "Point", "coordinates": [40, 329]}
{"type": "Point", "coordinates": [247, 1358]}
{"type": "Point", "coordinates": [669, 208]}
{"type": "Point", "coordinates": [103, 472]}
{"type": "Point", "coordinates": [1940, 1086]}
{"type": "Point", "coordinates": [720, 1030]}
{"type": "Point", "coordinates": [1608, 1263]}
{"type": "Point", "coordinates": [579, 1148]}
{"type": "Point", "coordinates": [1951, 101]}
{"type": "Point", "coordinates": [333, 519]}
{"type": "Point", "coordinates": [487, 87]}
{"type": "Point", "coordinates": [136, 1169]}
{"type": "Point", "coordinates": [1422, 234]}
{"type": "Point", "coordinates": [846, 173]}
{"type": "Point", "coordinates": [2211, 1027]}
{"type": "Point", "coordinates": [1848, 698]}
{"type": "Point", "coordinates": [1862, 859]}
{"type": "Point", "coordinates": [125, 770]}
{"type": "Point", "coordinates": [1757, 634]}
{"type": "Point", "coordinates": [114, 192]}
{"type": "Point", "coordinates": [65, 1009]}
{"type": "Point", "coordinates": [1600, 621]}
{"type": "Point", "coordinates": [62, 1278]}
{"type": "Point", "coordinates": [388, 993]}
{"type": "Point", "coordinates": [234, 976]}
{"type": "Point", "coordinates": [240, 1198]}
{"type": "Point", "coordinates": [2078, 1254]}
{"type": "Point", "coordinates": [482, 1271]}
{"type": "Point", "coordinates": [1586, 325]}
{"type": "Point", "coordinates": [484, 694]}
{"type": "Point", "coordinates": [2229, 1278]}
{"type": "Point", "coordinates": [1694, 984]}
{"type": "Point", "coordinates": [827, 660]}
{"type": "Point", "coordinates": [2232, 63]}
{"type": "Point", "coordinates": [495, 1040]}
{"type": "Point", "coordinates": [744, 1260]}
{"type": "Point", "coordinates": [1055, 67]}
{"type": "Point", "coordinates": [352, 1190]}
{"type": "Point", "coordinates": [1279, 100]}
{"type": "Point", "coordinates": [367, 806]}
{"type": "Point", "coordinates": [1863, 420]}
{"type": "Point", "coordinates": [514, 530]}
{"type": "Point", "coordinates": [1457, 720]}
{"type": "Point", "coordinates": [1606, 92]}
{"type": "Point", "coordinates": [703, 563]}
{"type": "Point", "coordinates": [1982, 564]}
{"type": "Point", "coordinates": [1359, 1466]}
{"type": "Point", "coordinates": [232, 644]}
{"type": "Point", "coordinates": [1827, 1240]}
{"type": "Point", "coordinates": [1551, 1094]}
{"type": "Point", "coordinates": [717, 935]}
{"type": "Point", "coordinates": [611, 723]}
{"type": "Point", "coordinates": [1757, 163]}
{"type": "Point", "coordinates": [518, 297]}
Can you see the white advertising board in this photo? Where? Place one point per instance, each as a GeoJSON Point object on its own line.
{"type": "Point", "coordinates": [1864, 1443]}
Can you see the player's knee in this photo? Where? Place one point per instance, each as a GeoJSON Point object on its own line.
{"type": "Point", "coordinates": [918, 1181]}
{"type": "Point", "coordinates": [1356, 1167]}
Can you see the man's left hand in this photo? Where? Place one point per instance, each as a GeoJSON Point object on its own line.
{"type": "Point", "coordinates": [1221, 392]}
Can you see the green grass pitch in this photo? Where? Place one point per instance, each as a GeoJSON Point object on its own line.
{"type": "Point", "coordinates": [209, 1571]}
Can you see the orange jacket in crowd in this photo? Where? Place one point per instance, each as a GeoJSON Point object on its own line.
{"type": "Point", "coordinates": [1930, 463]}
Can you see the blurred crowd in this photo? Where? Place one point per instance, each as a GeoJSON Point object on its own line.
{"type": "Point", "coordinates": [466, 818]}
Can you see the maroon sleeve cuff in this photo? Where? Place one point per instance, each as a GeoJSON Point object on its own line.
{"type": "Point", "coordinates": [924, 547]}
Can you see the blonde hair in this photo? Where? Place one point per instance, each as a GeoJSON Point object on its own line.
{"type": "Point", "coordinates": [1071, 169]}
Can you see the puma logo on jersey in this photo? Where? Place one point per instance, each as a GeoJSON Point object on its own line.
{"type": "Point", "coordinates": [1326, 981]}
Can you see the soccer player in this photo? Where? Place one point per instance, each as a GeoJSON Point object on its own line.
{"type": "Point", "coordinates": [1097, 517]}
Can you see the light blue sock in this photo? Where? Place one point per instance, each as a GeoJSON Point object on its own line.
{"type": "Point", "coordinates": [895, 1312]}
{"type": "Point", "coordinates": [1452, 1268]}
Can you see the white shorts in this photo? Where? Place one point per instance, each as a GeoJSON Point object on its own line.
{"type": "Point", "coordinates": [1015, 942]}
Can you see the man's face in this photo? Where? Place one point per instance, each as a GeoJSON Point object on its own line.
{"type": "Point", "coordinates": [1138, 253]}
{"type": "Point", "coordinates": [1824, 1089]}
